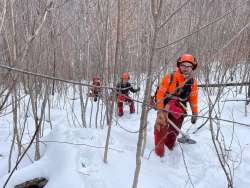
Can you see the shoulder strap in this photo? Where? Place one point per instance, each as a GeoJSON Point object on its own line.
{"type": "Point", "coordinates": [171, 79]}
{"type": "Point", "coordinates": [186, 90]}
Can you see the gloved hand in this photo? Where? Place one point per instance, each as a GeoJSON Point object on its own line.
{"type": "Point", "coordinates": [194, 118]}
{"type": "Point", "coordinates": [161, 120]}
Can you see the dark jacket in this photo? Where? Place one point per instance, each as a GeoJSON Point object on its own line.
{"type": "Point", "coordinates": [124, 88]}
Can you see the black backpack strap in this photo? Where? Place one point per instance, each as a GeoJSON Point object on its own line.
{"type": "Point", "coordinates": [170, 82]}
{"type": "Point", "coordinates": [171, 79]}
{"type": "Point", "coordinates": [186, 90]}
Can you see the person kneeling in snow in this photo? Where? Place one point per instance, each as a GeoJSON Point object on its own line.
{"type": "Point", "coordinates": [175, 90]}
{"type": "Point", "coordinates": [122, 89]}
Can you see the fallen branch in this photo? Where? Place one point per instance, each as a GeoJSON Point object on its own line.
{"type": "Point", "coordinates": [37, 182]}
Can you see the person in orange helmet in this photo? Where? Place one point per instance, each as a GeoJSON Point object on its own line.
{"type": "Point", "coordinates": [122, 89]}
{"type": "Point", "coordinates": [175, 90]}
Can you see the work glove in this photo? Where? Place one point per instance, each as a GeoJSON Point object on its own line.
{"type": "Point", "coordinates": [161, 120]}
{"type": "Point", "coordinates": [194, 118]}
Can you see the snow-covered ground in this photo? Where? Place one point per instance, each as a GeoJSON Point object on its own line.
{"type": "Point", "coordinates": [73, 156]}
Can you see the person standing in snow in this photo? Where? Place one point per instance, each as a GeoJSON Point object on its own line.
{"type": "Point", "coordinates": [95, 91]}
{"type": "Point", "coordinates": [122, 89]}
{"type": "Point", "coordinates": [175, 90]}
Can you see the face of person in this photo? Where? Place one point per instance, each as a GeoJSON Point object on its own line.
{"type": "Point", "coordinates": [186, 68]}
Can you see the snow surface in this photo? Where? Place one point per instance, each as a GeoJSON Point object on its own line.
{"type": "Point", "coordinates": [73, 156]}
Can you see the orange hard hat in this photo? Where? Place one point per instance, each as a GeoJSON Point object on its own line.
{"type": "Point", "coordinates": [187, 58]}
{"type": "Point", "coordinates": [125, 76]}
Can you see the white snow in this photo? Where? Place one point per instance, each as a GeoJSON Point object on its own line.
{"type": "Point", "coordinates": [73, 156]}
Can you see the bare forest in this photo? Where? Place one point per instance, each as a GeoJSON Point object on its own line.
{"type": "Point", "coordinates": [48, 47]}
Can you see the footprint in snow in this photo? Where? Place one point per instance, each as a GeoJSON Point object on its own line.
{"type": "Point", "coordinates": [89, 168]}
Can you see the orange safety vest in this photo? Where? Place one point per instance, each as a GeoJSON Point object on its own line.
{"type": "Point", "coordinates": [169, 86]}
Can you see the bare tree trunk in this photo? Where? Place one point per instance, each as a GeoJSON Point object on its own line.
{"type": "Point", "coordinates": [38, 121]}
{"type": "Point", "coordinates": [97, 113]}
{"type": "Point", "coordinates": [110, 105]}
{"type": "Point", "coordinates": [83, 109]}
{"type": "Point", "coordinates": [15, 127]}
{"type": "Point", "coordinates": [34, 109]}
{"type": "Point", "coordinates": [101, 118]}
{"type": "Point", "coordinates": [220, 148]}
{"type": "Point", "coordinates": [221, 156]}
{"type": "Point", "coordinates": [91, 113]}
{"type": "Point", "coordinates": [49, 113]}
{"type": "Point", "coordinates": [54, 61]}
{"type": "Point", "coordinates": [10, 154]}
{"type": "Point", "coordinates": [248, 90]}
{"type": "Point", "coordinates": [156, 11]}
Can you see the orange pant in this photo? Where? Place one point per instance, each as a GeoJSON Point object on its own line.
{"type": "Point", "coordinates": [164, 133]}
{"type": "Point", "coordinates": [121, 99]}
